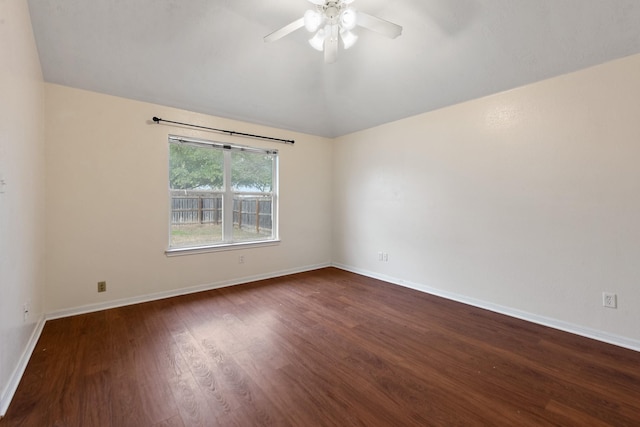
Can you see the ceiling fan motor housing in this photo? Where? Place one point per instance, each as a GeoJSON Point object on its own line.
{"type": "Point", "coordinates": [332, 10]}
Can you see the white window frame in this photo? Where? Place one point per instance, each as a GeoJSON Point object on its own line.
{"type": "Point", "coordinates": [228, 196]}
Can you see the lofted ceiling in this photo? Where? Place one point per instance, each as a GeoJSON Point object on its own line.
{"type": "Point", "coordinates": [209, 56]}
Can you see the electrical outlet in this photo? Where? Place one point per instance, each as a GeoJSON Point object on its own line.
{"type": "Point", "coordinates": [609, 300]}
{"type": "Point", "coordinates": [102, 286]}
{"type": "Point", "coordinates": [385, 257]}
{"type": "Point", "coordinates": [241, 259]}
{"type": "Point", "coordinates": [380, 256]}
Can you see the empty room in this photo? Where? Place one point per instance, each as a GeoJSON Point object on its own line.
{"type": "Point", "coordinates": [319, 213]}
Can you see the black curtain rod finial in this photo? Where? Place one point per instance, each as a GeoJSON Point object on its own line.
{"type": "Point", "coordinates": [156, 119]}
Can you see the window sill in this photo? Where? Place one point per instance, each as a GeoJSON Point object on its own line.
{"type": "Point", "coordinates": [219, 248]}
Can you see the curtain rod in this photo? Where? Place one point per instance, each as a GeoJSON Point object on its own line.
{"type": "Point", "coordinates": [230, 132]}
{"type": "Point", "coordinates": [223, 145]}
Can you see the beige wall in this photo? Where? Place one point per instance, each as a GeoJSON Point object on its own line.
{"type": "Point", "coordinates": [526, 202]}
{"type": "Point", "coordinates": [22, 198]}
{"type": "Point", "coordinates": [107, 202]}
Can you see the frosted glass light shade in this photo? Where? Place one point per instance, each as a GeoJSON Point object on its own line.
{"type": "Point", "coordinates": [317, 41]}
{"type": "Point", "coordinates": [312, 20]}
{"type": "Point", "coordinates": [348, 19]}
{"type": "Point", "coordinates": [348, 38]}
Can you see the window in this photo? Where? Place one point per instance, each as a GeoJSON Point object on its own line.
{"type": "Point", "coordinates": [221, 194]}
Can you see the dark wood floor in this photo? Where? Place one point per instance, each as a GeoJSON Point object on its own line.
{"type": "Point", "coordinates": [325, 348]}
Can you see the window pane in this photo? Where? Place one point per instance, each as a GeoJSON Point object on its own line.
{"type": "Point", "coordinates": [251, 172]}
{"type": "Point", "coordinates": [220, 194]}
{"type": "Point", "coordinates": [196, 218]}
{"type": "Point", "coordinates": [252, 218]}
{"type": "Point", "coordinates": [195, 168]}
{"type": "Point", "coordinates": [196, 178]}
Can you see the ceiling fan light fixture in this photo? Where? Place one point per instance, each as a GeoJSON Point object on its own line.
{"type": "Point", "coordinates": [317, 41]}
{"type": "Point", "coordinates": [348, 38]}
{"type": "Point", "coordinates": [348, 19]}
{"type": "Point", "coordinates": [312, 20]}
{"type": "Point", "coordinates": [331, 21]}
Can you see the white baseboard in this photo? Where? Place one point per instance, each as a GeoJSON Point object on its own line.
{"type": "Point", "coordinates": [523, 315]}
{"type": "Point", "coordinates": [89, 308]}
{"type": "Point", "coordinates": [16, 375]}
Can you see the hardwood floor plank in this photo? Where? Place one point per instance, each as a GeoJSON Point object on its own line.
{"type": "Point", "coordinates": [196, 389]}
{"type": "Point", "coordinates": [323, 348]}
{"type": "Point", "coordinates": [125, 398]}
{"type": "Point", "coordinates": [571, 416]}
{"type": "Point", "coordinates": [171, 422]}
{"type": "Point", "coordinates": [193, 407]}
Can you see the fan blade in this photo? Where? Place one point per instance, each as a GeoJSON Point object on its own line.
{"type": "Point", "coordinates": [287, 29]}
{"type": "Point", "coordinates": [386, 28]}
{"type": "Point", "coordinates": [331, 45]}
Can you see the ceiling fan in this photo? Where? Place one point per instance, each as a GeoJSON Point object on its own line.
{"type": "Point", "coordinates": [331, 20]}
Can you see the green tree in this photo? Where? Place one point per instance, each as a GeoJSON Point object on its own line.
{"type": "Point", "coordinates": [252, 171]}
{"type": "Point", "coordinates": [202, 168]}
{"type": "Point", "coordinates": [192, 168]}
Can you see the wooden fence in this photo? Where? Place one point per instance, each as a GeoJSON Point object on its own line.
{"type": "Point", "coordinates": [249, 212]}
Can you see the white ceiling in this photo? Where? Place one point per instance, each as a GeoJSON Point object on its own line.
{"type": "Point", "coordinates": [209, 56]}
